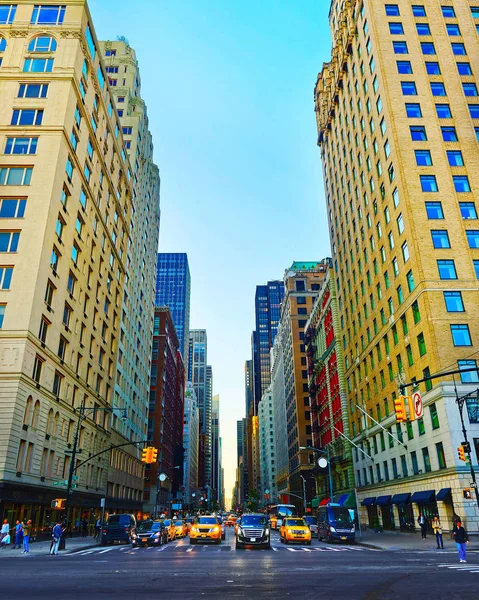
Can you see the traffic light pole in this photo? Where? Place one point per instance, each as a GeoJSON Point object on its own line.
{"type": "Point", "coordinates": [460, 404]}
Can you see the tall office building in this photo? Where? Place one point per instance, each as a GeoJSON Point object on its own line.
{"type": "Point", "coordinates": [191, 433]}
{"type": "Point", "coordinates": [399, 148]}
{"type": "Point", "coordinates": [173, 289]}
{"type": "Point", "coordinates": [67, 193]}
{"type": "Point", "coordinates": [198, 377]}
{"type": "Point", "coordinates": [215, 449]}
{"type": "Point", "coordinates": [209, 426]}
{"type": "Point", "coordinates": [132, 385]}
{"type": "Point", "coordinates": [267, 450]}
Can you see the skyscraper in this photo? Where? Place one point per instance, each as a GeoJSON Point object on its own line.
{"type": "Point", "coordinates": [198, 377]}
{"type": "Point", "coordinates": [191, 433]}
{"type": "Point", "coordinates": [398, 143]}
{"type": "Point", "coordinates": [173, 289]}
{"type": "Point", "coordinates": [215, 449]}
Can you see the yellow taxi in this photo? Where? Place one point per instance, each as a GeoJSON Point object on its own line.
{"type": "Point", "coordinates": [181, 528]}
{"type": "Point", "coordinates": [231, 520]}
{"type": "Point", "coordinates": [206, 528]}
{"type": "Point", "coordinates": [295, 530]}
{"type": "Point", "coordinates": [170, 528]}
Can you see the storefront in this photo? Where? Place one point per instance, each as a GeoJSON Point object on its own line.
{"type": "Point", "coordinates": [405, 511]}
{"type": "Point", "coordinates": [373, 518]}
{"type": "Point", "coordinates": [427, 505]}
{"type": "Point", "coordinates": [387, 512]}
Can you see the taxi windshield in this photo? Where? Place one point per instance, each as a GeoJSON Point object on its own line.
{"type": "Point", "coordinates": [167, 523]}
{"type": "Point", "coordinates": [178, 523]}
{"type": "Point", "coordinates": [295, 523]}
{"type": "Point", "coordinates": [206, 521]}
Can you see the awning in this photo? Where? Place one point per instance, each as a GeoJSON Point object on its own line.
{"type": "Point", "coordinates": [348, 500]}
{"type": "Point", "coordinates": [400, 498]}
{"type": "Point", "coordinates": [443, 495]}
{"type": "Point", "coordinates": [368, 501]}
{"type": "Point", "coordinates": [423, 497]}
{"type": "Point", "coordinates": [383, 500]}
{"type": "Point", "coordinates": [324, 501]}
{"type": "Point", "coordinates": [315, 502]}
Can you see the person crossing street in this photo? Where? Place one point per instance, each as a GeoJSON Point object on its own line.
{"type": "Point", "coordinates": [462, 539]}
{"type": "Point", "coordinates": [56, 537]}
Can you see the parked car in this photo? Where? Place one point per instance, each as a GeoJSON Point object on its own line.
{"type": "Point", "coordinates": [312, 524]}
{"type": "Point", "coordinates": [253, 530]}
{"type": "Point", "coordinates": [149, 533]}
{"type": "Point", "coordinates": [118, 528]}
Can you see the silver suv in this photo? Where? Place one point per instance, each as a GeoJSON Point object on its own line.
{"type": "Point", "coordinates": [253, 530]}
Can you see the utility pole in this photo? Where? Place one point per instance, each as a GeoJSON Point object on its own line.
{"type": "Point", "coordinates": [304, 495]}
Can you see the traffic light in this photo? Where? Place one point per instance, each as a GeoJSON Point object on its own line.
{"type": "Point", "coordinates": [145, 455]}
{"type": "Point", "coordinates": [400, 409]}
{"type": "Point", "coordinates": [58, 503]}
{"type": "Point", "coordinates": [461, 453]}
{"type": "Point", "coordinates": [154, 454]}
{"type": "Point", "coordinates": [149, 455]}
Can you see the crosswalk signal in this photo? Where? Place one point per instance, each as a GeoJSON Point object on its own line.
{"type": "Point", "coordinates": [58, 503]}
{"type": "Point", "coordinates": [400, 409]}
{"type": "Point", "coordinates": [461, 453]}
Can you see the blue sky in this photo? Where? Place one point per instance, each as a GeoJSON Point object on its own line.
{"type": "Point", "coordinates": [229, 88]}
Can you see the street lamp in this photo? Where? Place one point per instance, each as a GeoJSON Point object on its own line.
{"type": "Point", "coordinates": [322, 464]}
{"type": "Point", "coordinates": [304, 495]}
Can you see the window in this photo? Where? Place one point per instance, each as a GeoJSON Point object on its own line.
{"type": "Point", "coordinates": [33, 90]}
{"type": "Point", "coordinates": [443, 111]}
{"type": "Point", "coordinates": [447, 269]}
{"type": "Point", "coordinates": [453, 29]}
{"type": "Point", "coordinates": [127, 130]}
{"type": "Point", "coordinates": [438, 89]}
{"type": "Point", "coordinates": [69, 168]}
{"type": "Point", "coordinates": [475, 12]}
{"type": "Point", "coordinates": [396, 28]}
{"type": "Point", "coordinates": [15, 175]}
{"type": "Point", "coordinates": [428, 48]}
{"type": "Point", "coordinates": [90, 41]}
{"type": "Point", "coordinates": [413, 110]}
{"type": "Point", "coordinates": [37, 368]}
{"type": "Point", "coordinates": [418, 133]}
{"type": "Point", "coordinates": [423, 29]}
{"type": "Point", "coordinates": [469, 89]}
{"type": "Point", "coordinates": [441, 457]}
{"type": "Point", "coordinates": [405, 252]}
{"type": "Point", "coordinates": [433, 68]}
{"type": "Point", "coordinates": [448, 12]}
{"type": "Point", "coordinates": [50, 289]}
{"type": "Point", "coordinates": [473, 238]}
{"type": "Point", "coordinates": [464, 68]}
{"type": "Point", "coordinates": [404, 67]}
{"type": "Point", "coordinates": [2, 314]}
{"type": "Point", "coordinates": [9, 241]}
{"type": "Point", "coordinates": [470, 376]}
{"type": "Point", "coordinates": [453, 301]}
{"type": "Point", "coordinates": [458, 49]}
{"type": "Point", "coordinates": [38, 65]}
{"type": "Point", "coordinates": [455, 158]}
{"type": "Point", "coordinates": [475, 264]}
{"type": "Point", "coordinates": [428, 183]}
{"type": "Point", "coordinates": [423, 158]}
{"type": "Point", "coordinates": [48, 15]}
{"type": "Point", "coordinates": [418, 10]}
{"type": "Point", "coordinates": [7, 13]}
{"type": "Point", "coordinates": [468, 210]}
{"type": "Point", "coordinates": [392, 10]}
{"type": "Point", "coordinates": [75, 254]}
{"type": "Point", "coordinates": [461, 335]}
{"type": "Point", "coordinates": [101, 78]}
{"type": "Point", "coordinates": [440, 238]}
{"type": "Point", "coordinates": [474, 112]}
{"type": "Point", "coordinates": [461, 183]}
{"type": "Point", "coordinates": [434, 210]}
{"type": "Point", "coordinates": [43, 43]}
{"type": "Point", "coordinates": [449, 134]}
{"type": "Point", "coordinates": [434, 416]}
{"type": "Point", "coordinates": [27, 116]}
{"type": "Point", "coordinates": [410, 281]}
{"type": "Point", "coordinates": [421, 344]}
{"type": "Point", "coordinates": [110, 52]}
{"type": "Point", "coordinates": [62, 347]}
{"type": "Point", "coordinates": [400, 48]}
{"type": "Point", "coordinates": [416, 312]}
{"type": "Point", "coordinates": [21, 146]}
{"type": "Point", "coordinates": [5, 277]}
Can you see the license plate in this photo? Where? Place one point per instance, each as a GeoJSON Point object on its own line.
{"type": "Point", "coordinates": [204, 535]}
{"type": "Point", "coordinates": [144, 539]}
{"type": "Point", "coordinates": [343, 537]}
{"type": "Point", "coordinates": [253, 539]}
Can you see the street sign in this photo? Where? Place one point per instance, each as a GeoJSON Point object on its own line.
{"type": "Point", "coordinates": [102, 502]}
{"type": "Point", "coordinates": [75, 478]}
{"type": "Point", "coordinates": [65, 483]}
{"type": "Point", "coordinates": [417, 405]}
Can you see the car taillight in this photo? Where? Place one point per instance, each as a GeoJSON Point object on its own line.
{"type": "Point", "coordinates": [104, 531]}
{"type": "Point", "coordinates": [127, 528]}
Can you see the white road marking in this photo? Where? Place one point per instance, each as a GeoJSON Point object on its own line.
{"type": "Point", "coordinates": [189, 550]}
{"type": "Point", "coordinates": [103, 551]}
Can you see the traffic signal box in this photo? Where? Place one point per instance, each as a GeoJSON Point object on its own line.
{"type": "Point", "coordinates": [462, 453]}
{"type": "Point", "coordinates": [400, 409]}
{"type": "Point", "coordinates": [149, 455]}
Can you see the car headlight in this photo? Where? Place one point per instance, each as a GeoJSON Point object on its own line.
{"type": "Point", "coordinates": [157, 535]}
{"type": "Point", "coordinates": [194, 529]}
{"type": "Point", "coordinates": [133, 536]}
{"type": "Point", "coordinates": [240, 531]}
{"type": "Point", "coordinates": [333, 529]}
{"type": "Point", "coordinates": [353, 528]}
{"type": "Point", "coordinates": [266, 531]}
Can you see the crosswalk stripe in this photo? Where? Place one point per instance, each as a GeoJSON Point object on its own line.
{"type": "Point", "coordinates": [106, 550]}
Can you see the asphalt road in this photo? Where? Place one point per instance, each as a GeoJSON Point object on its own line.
{"type": "Point", "coordinates": [186, 572]}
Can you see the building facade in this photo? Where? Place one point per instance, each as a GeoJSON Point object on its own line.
{"type": "Point", "coordinates": [66, 196]}
{"type": "Point", "coordinates": [191, 431]}
{"type": "Point", "coordinates": [165, 415]}
{"type": "Point", "coordinates": [398, 143]}
{"type": "Point", "coordinates": [173, 289]}
{"type": "Point", "coordinates": [267, 450]}
{"type": "Point", "coordinates": [215, 448]}
{"type": "Point", "coordinates": [278, 394]}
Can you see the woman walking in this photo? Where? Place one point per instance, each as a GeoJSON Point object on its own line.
{"type": "Point", "coordinates": [436, 527]}
{"type": "Point", "coordinates": [462, 539]}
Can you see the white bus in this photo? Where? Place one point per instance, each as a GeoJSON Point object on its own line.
{"type": "Point", "coordinates": [278, 512]}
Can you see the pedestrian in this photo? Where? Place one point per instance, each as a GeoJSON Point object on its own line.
{"type": "Point", "coordinates": [5, 530]}
{"type": "Point", "coordinates": [56, 537]}
{"type": "Point", "coordinates": [98, 528]}
{"type": "Point", "coordinates": [18, 534]}
{"type": "Point", "coordinates": [436, 527]}
{"type": "Point", "coordinates": [462, 539]}
{"type": "Point", "coordinates": [27, 530]}
{"type": "Point", "coordinates": [5, 541]}
{"type": "Point", "coordinates": [422, 524]}
{"type": "Point", "coordinates": [84, 527]}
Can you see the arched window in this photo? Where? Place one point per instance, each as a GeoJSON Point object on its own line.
{"type": "Point", "coordinates": [50, 422]}
{"type": "Point", "coordinates": [42, 43]}
{"type": "Point", "coordinates": [3, 44]}
{"type": "Point", "coordinates": [27, 418]}
{"type": "Point", "coordinates": [55, 424]}
{"type": "Point", "coordinates": [36, 414]}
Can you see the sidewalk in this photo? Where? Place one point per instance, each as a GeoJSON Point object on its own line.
{"type": "Point", "coordinates": [396, 540]}
{"type": "Point", "coordinates": [72, 545]}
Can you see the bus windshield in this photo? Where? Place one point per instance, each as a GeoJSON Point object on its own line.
{"type": "Point", "coordinates": [286, 510]}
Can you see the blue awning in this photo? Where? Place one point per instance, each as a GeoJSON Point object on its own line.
{"type": "Point", "coordinates": [400, 498]}
{"type": "Point", "coordinates": [423, 497]}
{"type": "Point", "coordinates": [383, 500]}
{"type": "Point", "coordinates": [443, 495]}
{"type": "Point", "coordinates": [368, 501]}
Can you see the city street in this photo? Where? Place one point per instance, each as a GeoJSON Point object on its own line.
{"type": "Point", "coordinates": [184, 571]}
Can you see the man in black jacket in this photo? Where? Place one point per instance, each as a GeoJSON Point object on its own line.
{"type": "Point", "coordinates": [461, 538]}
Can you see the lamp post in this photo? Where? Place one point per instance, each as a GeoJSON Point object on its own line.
{"type": "Point", "coordinates": [304, 495]}
{"type": "Point", "coordinates": [322, 464]}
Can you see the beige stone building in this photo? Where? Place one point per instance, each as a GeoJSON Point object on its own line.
{"type": "Point", "coordinates": [398, 121]}
{"type": "Point", "coordinates": [66, 196]}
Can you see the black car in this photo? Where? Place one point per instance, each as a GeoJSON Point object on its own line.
{"type": "Point", "coordinates": [254, 530]}
{"type": "Point", "coordinates": [118, 528]}
{"type": "Point", "coordinates": [149, 533]}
